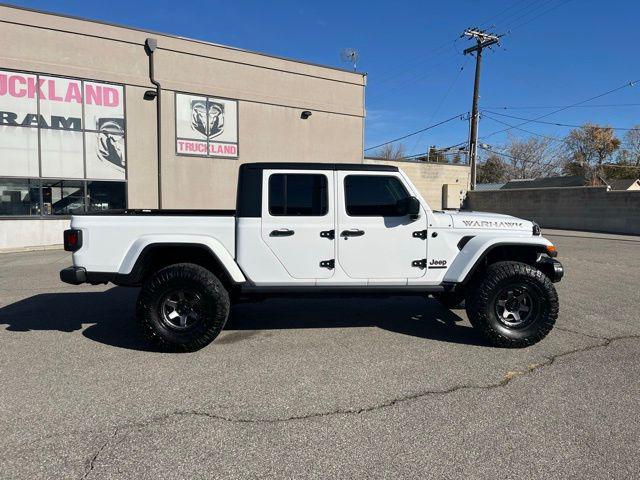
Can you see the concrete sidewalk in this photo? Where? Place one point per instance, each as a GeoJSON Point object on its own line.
{"type": "Point", "coordinates": [595, 235]}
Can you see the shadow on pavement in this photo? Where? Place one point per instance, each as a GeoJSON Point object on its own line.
{"type": "Point", "coordinates": [110, 316]}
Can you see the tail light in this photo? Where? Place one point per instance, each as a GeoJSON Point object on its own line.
{"type": "Point", "coordinates": [72, 240]}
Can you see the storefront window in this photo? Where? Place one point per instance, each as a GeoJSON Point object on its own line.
{"type": "Point", "coordinates": [19, 197]}
{"type": "Point", "coordinates": [62, 197]}
{"type": "Point", "coordinates": [105, 196]}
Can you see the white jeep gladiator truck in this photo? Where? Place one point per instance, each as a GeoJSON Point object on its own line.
{"type": "Point", "coordinates": [321, 229]}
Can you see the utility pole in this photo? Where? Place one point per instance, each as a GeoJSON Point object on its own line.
{"type": "Point", "coordinates": [483, 40]}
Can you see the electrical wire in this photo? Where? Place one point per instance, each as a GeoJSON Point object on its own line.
{"type": "Point", "coordinates": [442, 100]}
{"type": "Point", "coordinates": [557, 124]}
{"type": "Point", "coordinates": [527, 11]}
{"type": "Point", "coordinates": [546, 107]}
{"type": "Point", "coordinates": [434, 70]}
{"type": "Point", "coordinates": [493, 17]}
{"type": "Point", "coordinates": [538, 16]}
{"type": "Point", "coordinates": [416, 132]}
{"type": "Point", "coordinates": [553, 139]}
{"type": "Point", "coordinates": [629, 84]}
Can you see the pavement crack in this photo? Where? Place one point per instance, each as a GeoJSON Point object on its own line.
{"type": "Point", "coordinates": [92, 461]}
{"type": "Point", "coordinates": [568, 330]}
{"type": "Point", "coordinates": [125, 429]}
{"type": "Point", "coordinates": [508, 378]}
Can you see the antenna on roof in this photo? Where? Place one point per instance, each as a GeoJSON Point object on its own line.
{"type": "Point", "coordinates": [350, 55]}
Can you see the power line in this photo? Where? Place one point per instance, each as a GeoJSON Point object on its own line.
{"type": "Point", "coordinates": [629, 84]}
{"type": "Point", "coordinates": [416, 132]}
{"type": "Point", "coordinates": [493, 17]}
{"type": "Point", "coordinates": [497, 152]}
{"type": "Point", "coordinates": [538, 16]}
{"type": "Point", "coordinates": [544, 107]}
{"type": "Point", "coordinates": [484, 114]}
{"type": "Point", "coordinates": [414, 78]}
{"type": "Point", "coordinates": [443, 99]}
{"type": "Point", "coordinates": [527, 11]}
{"type": "Point", "coordinates": [557, 124]}
{"type": "Point", "coordinates": [436, 52]}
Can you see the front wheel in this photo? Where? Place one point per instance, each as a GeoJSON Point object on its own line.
{"type": "Point", "coordinates": [513, 305]}
{"type": "Point", "coordinates": [182, 307]}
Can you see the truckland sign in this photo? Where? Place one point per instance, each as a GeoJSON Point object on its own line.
{"type": "Point", "coordinates": [206, 126]}
{"type": "Point", "coordinates": [61, 127]}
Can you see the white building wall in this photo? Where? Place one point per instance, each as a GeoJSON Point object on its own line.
{"type": "Point", "coordinates": [17, 235]}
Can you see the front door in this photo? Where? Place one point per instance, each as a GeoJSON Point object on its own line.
{"type": "Point", "coordinates": [298, 221]}
{"type": "Point", "coordinates": [376, 240]}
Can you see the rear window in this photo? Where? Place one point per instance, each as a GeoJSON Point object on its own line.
{"type": "Point", "coordinates": [298, 194]}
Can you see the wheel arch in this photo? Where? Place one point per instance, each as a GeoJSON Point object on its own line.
{"type": "Point", "coordinates": [148, 255]}
{"type": "Point", "coordinates": [480, 252]}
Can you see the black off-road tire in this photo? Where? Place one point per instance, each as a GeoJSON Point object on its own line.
{"type": "Point", "coordinates": [482, 304]}
{"type": "Point", "coordinates": [451, 300]}
{"type": "Point", "coordinates": [205, 296]}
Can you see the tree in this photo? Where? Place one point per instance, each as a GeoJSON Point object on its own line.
{"type": "Point", "coordinates": [436, 156]}
{"type": "Point", "coordinates": [628, 161]}
{"type": "Point", "coordinates": [530, 158]}
{"type": "Point", "coordinates": [589, 147]}
{"type": "Point", "coordinates": [492, 170]}
{"type": "Point", "coordinates": [630, 152]}
{"type": "Point", "coordinates": [391, 152]}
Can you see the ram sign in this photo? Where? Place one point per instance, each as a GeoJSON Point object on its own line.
{"type": "Point", "coordinates": [61, 127]}
{"type": "Point", "coordinates": [206, 126]}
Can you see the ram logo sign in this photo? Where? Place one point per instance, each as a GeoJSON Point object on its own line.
{"type": "Point", "coordinates": [206, 126]}
{"type": "Point", "coordinates": [492, 224]}
{"type": "Point", "coordinates": [61, 127]}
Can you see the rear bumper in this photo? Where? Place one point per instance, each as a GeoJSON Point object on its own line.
{"type": "Point", "coordinates": [552, 268]}
{"type": "Point", "coordinates": [78, 275]}
{"type": "Point", "coordinates": [73, 275]}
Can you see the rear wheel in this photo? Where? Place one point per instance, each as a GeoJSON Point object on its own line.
{"type": "Point", "coordinates": [513, 305]}
{"type": "Point", "coordinates": [182, 307]}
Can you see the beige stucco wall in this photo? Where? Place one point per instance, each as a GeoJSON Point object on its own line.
{"type": "Point", "coordinates": [429, 178]}
{"type": "Point", "coordinates": [271, 93]}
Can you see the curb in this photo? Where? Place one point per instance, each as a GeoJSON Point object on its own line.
{"type": "Point", "coordinates": [40, 248]}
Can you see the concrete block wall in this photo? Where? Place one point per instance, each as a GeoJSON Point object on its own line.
{"type": "Point", "coordinates": [430, 178]}
{"type": "Point", "coordinates": [573, 208]}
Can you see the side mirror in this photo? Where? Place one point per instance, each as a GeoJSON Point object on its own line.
{"type": "Point", "coordinates": [413, 209]}
{"type": "Point", "coordinates": [409, 206]}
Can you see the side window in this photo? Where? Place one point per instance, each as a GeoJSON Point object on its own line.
{"type": "Point", "coordinates": [298, 194]}
{"type": "Point", "coordinates": [374, 196]}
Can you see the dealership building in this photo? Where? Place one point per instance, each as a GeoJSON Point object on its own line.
{"type": "Point", "coordinates": [95, 116]}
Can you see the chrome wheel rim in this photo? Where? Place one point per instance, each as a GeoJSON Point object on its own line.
{"type": "Point", "coordinates": [180, 309]}
{"type": "Point", "coordinates": [514, 307]}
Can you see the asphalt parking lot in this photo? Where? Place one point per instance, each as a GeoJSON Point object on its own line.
{"type": "Point", "coordinates": [395, 388]}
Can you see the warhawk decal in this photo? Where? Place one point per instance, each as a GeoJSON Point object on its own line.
{"type": "Point", "coordinates": [492, 224]}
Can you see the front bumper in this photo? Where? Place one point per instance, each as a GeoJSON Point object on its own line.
{"type": "Point", "coordinates": [73, 275]}
{"type": "Point", "coordinates": [551, 267]}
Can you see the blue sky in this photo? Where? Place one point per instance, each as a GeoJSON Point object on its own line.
{"type": "Point", "coordinates": [554, 53]}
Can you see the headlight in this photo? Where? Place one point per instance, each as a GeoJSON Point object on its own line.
{"type": "Point", "coordinates": [536, 229]}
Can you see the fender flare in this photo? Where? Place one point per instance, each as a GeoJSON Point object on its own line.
{"type": "Point", "coordinates": [216, 248]}
{"type": "Point", "coordinates": [476, 250]}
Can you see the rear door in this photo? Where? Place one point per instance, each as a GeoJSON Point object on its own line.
{"type": "Point", "coordinates": [298, 220]}
{"type": "Point", "coordinates": [375, 241]}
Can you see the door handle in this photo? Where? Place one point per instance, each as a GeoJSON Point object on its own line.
{"type": "Point", "coordinates": [354, 232]}
{"type": "Point", "coordinates": [281, 232]}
